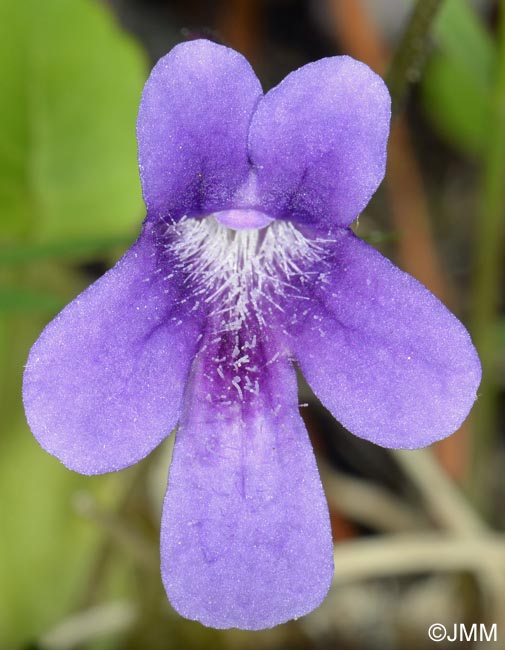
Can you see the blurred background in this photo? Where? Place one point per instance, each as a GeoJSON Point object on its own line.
{"type": "Point", "coordinates": [419, 536]}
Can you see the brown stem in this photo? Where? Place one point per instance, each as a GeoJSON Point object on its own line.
{"type": "Point", "coordinates": [416, 250]}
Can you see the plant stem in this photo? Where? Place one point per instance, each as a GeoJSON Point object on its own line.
{"type": "Point", "coordinates": [489, 235]}
{"type": "Point", "coordinates": [409, 57]}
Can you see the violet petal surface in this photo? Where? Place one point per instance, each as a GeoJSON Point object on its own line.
{"type": "Point", "coordinates": [192, 129]}
{"type": "Point", "coordinates": [387, 358]}
{"type": "Point", "coordinates": [245, 539]}
{"type": "Point", "coordinates": [318, 142]}
{"type": "Point", "coordinates": [103, 383]}
{"type": "Point", "coordinates": [245, 262]}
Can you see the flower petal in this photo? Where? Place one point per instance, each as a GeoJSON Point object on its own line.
{"type": "Point", "coordinates": [245, 539]}
{"type": "Point", "coordinates": [104, 381]}
{"type": "Point", "coordinates": [390, 362]}
{"type": "Point", "coordinates": [318, 141]}
{"type": "Point", "coordinates": [192, 129]}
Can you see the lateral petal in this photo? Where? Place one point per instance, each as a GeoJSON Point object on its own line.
{"type": "Point", "coordinates": [103, 383]}
{"type": "Point", "coordinates": [387, 358]}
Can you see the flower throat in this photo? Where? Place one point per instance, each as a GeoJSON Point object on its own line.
{"type": "Point", "coordinates": [242, 274]}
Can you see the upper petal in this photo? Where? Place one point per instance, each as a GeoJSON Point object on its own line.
{"type": "Point", "coordinates": [192, 129]}
{"type": "Point", "coordinates": [104, 381]}
{"type": "Point", "coordinates": [318, 141]}
{"type": "Point", "coordinates": [245, 538]}
{"type": "Point", "coordinates": [381, 352]}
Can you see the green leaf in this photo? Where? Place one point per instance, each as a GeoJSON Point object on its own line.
{"type": "Point", "coordinates": [464, 39]}
{"type": "Point", "coordinates": [70, 82]}
{"type": "Point", "coordinates": [456, 105]}
{"type": "Point", "coordinates": [458, 80]}
{"type": "Point", "coordinates": [21, 299]}
{"type": "Point", "coordinates": [46, 547]}
{"type": "Point", "coordinates": [18, 254]}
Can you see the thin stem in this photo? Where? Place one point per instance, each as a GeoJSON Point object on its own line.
{"type": "Point", "coordinates": [90, 625]}
{"type": "Point", "coordinates": [487, 273]}
{"type": "Point", "coordinates": [366, 503]}
{"type": "Point", "coordinates": [115, 534]}
{"type": "Point", "coordinates": [417, 253]}
{"type": "Point", "coordinates": [444, 502]}
{"type": "Point", "coordinates": [409, 57]}
{"type": "Point", "coordinates": [407, 554]}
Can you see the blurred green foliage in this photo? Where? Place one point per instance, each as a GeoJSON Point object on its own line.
{"type": "Point", "coordinates": [459, 78]}
{"type": "Point", "coordinates": [70, 82]}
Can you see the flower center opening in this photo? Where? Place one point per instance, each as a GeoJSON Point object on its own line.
{"type": "Point", "coordinates": [242, 279]}
{"type": "Point", "coordinates": [242, 272]}
{"type": "Point", "coordinates": [243, 219]}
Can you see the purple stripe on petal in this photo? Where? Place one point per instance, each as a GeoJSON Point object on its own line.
{"type": "Point", "coordinates": [245, 539]}
{"type": "Point", "coordinates": [104, 381]}
{"type": "Point", "coordinates": [318, 142]}
{"type": "Point", "coordinates": [381, 352]}
{"type": "Point", "coordinates": [192, 129]}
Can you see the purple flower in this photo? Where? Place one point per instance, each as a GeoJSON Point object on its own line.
{"type": "Point", "coordinates": [245, 264]}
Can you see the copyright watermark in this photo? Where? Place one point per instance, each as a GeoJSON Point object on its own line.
{"type": "Point", "coordinates": [437, 632]}
{"type": "Point", "coordinates": [462, 632]}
